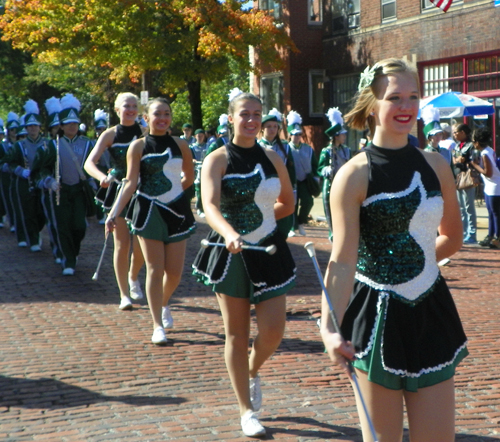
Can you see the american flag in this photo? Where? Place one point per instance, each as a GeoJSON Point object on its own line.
{"type": "Point", "coordinates": [442, 4]}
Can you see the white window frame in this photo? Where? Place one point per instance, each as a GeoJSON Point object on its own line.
{"type": "Point", "coordinates": [265, 100]}
{"type": "Point", "coordinates": [310, 4]}
{"type": "Point", "coordinates": [387, 2]}
{"type": "Point", "coordinates": [313, 73]}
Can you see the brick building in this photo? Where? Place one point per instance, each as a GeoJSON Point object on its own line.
{"type": "Point", "coordinates": [458, 50]}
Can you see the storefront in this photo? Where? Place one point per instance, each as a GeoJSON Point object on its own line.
{"type": "Point", "coordinates": [475, 74]}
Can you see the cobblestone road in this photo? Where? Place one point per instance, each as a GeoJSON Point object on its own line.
{"type": "Point", "coordinates": [75, 368]}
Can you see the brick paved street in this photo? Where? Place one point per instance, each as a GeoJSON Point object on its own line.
{"type": "Point", "coordinates": [75, 368]}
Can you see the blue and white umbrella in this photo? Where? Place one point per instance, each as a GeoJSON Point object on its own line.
{"type": "Point", "coordinates": [456, 104]}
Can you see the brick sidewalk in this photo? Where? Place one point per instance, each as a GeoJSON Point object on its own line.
{"type": "Point", "coordinates": [74, 368]}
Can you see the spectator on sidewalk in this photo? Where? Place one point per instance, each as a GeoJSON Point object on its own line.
{"type": "Point", "coordinates": [462, 158]}
{"type": "Point", "coordinates": [481, 138]}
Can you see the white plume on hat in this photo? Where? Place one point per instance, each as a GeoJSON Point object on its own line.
{"type": "Point", "coordinates": [223, 120]}
{"type": "Point", "coordinates": [12, 116]}
{"type": "Point", "coordinates": [31, 107]}
{"type": "Point", "coordinates": [99, 114]}
{"type": "Point", "coordinates": [430, 114]}
{"type": "Point", "coordinates": [53, 105]}
{"type": "Point", "coordinates": [234, 93]}
{"type": "Point", "coordinates": [276, 113]}
{"type": "Point", "coordinates": [293, 118]}
{"type": "Point", "coordinates": [69, 101]}
{"type": "Point", "coordinates": [335, 116]}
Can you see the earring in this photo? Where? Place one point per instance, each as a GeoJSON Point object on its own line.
{"type": "Point", "coordinates": [372, 113]}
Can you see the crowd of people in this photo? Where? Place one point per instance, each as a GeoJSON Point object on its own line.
{"type": "Point", "coordinates": [393, 212]}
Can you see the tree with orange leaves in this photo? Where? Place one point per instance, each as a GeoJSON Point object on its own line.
{"type": "Point", "coordinates": [179, 43]}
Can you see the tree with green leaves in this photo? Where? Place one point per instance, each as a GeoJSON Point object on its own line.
{"type": "Point", "coordinates": [168, 45]}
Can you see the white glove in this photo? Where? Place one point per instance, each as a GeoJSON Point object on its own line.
{"type": "Point", "coordinates": [327, 170]}
{"type": "Point", "coordinates": [54, 185]}
{"type": "Point", "coordinates": [26, 173]}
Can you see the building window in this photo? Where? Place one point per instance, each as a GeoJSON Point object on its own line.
{"type": "Point", "coordinates": [345, 15]}
{"type": "Point", "coordinates": [273, 6]}
{"type": "Point", "coordinates": [316, 86]}
{"type": "Point", "coordinates": [426, 4]}
{"type": "Point", "coordinates": [481, 74]}
{"type": "Point", "coordinates": [271, 92]}
{"type": "Point", "coordinates": [388, 9]}
{"type": "Point", "coordinates": [342, 89]}
{"type": "Point", "coordinates": [315, 8]}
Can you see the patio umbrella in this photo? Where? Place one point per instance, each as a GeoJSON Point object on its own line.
{"type": "Point", "coordinates": [456, 104]}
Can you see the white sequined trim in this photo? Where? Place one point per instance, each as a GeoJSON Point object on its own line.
{"type": "Point", "coordinates": [265, 197]}
{"type": "Point", "coordinates": [424, 371]}
{"type": "Point", "coordinates": [153, 202]}
{"type": "Point", "coordinates": [423, 228]}
{"type": "Point", "coordinates": [368, 348]}
{"type": "Point", "coordinates": [224, 274]}
{"type": "Point", "coordinates": [275, 287]}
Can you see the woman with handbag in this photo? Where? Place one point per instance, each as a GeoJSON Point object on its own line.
{"type": "Point", "coordinates": [306, 169]}
{"type": "Point", "coordinates": [71, 197]}
{"type": "Point", "coordinates": [490, 174]}
{"type": "Point", "coordinates": [463, 156]}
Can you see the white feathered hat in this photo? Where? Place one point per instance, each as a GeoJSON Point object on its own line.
{"type": "Point", "coordinates": [70, 109]}
{"type": "Point", "coordinates": [32, 116]}
{"type": "Point", "coordinates": [294, 123]}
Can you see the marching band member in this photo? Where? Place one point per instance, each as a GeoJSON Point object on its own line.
{"type": "Point", "coordinates": [115, 142]}
{"type": "Point", "coordinates": [70, 154]}
{"type": "Point", "coordinates": [5, 172]}
{"type": "Point", "coordinates": [28, 209]}
{"type": "Point", "coordinates": [305, 164]}
{"type": "Point", "coordinates": [245, 189]}
{"type": "Point", "coordinates": [159, 212]}
{"type": "Point", "coordinates": [53, 107]}
{"type": "Point", "coordinates": [271, 126]}
{"type": "Point", "coordinates": [332, 158]}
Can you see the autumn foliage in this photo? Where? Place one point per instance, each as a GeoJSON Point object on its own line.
{"type": "Point", "coordinates": [188, 40]}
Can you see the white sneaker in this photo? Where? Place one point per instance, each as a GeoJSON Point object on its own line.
{"type": "Point", "coordinates": [291, 234]}
{"type": "Point", "coordinates": [135, 289]}
{"type": "Point", "coordinates": [102, 221]}
{"type": "Point", "coordinates": [12, 229]}
{"type": "Point", "coordinates": [302, 231]}
{"type": "Point", "coordinates": [68, 271]}
{"type": "Point", "coordinates": [166, 317]}
{"type": "Point", "coordinates": [36, 248]}
{"type": "Point", "coordinates": [251, 426]}
{"type": "Point", "coordinates": [255, 393]}
{"type": "Point", "coordinates": [58, 261]}
{"type": "Point", "coordinates": [159, 337]}
{"type": "Point", "coordinates": [23, 244]}
{"type": "Point", "coordinates": [125, 304]}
